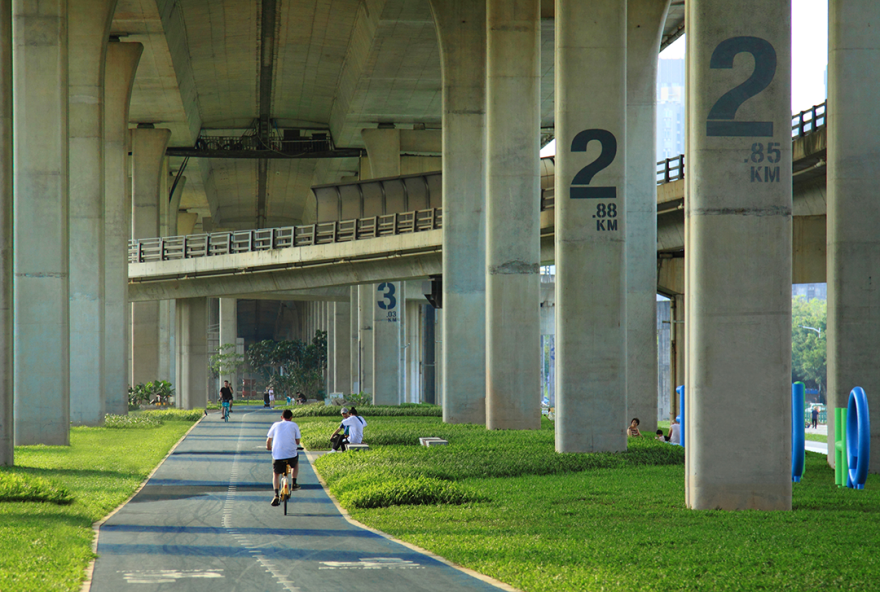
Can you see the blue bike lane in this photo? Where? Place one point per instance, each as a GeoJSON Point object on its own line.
{"type": "Point", "coordinates": [203, 522]}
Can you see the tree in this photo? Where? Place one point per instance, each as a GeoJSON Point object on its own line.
{"type": "Point", "coordinates": [226, 361]}
{"type": "Point", "coordinates": [290, 366]}
{"type": "Point", "coordinates": [808, 349]}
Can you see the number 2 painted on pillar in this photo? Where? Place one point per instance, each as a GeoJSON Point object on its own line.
{"type": "Point", "coordinates": [388, 296]}
{"type": "Point", "coordinates": [580, 188]}
{"type": "Point", "coordinates": [720, 121]}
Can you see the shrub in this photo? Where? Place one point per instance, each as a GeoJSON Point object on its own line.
{"type": "Point", "coordinates": [322, 410]}
{"type": "Point", "coordinates": [412, 491]}
{"type": "Point", "coordinates": [159, 391]}
{"type": "Point", "coordinates": [191, 415]}
{"type": "Point", "coordinates": [131, 421]}
{"type": "Point", "coordinates": [17, 487]}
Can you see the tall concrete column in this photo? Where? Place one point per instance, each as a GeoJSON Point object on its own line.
{"type": "Point", "coordinates": [738, 242]}
{"type": "Point", "coordinates": [121, 64]}
{"type": "Point", "coordinates": [354, 341]}
{"type": "Point", "coordinates": [678, 353]}
{"type": "Point", "coordinates": [228, 332]}
{"type": "Point", "coordinates": [7, 422]}
{"type": "Point", "coordinates": [645, 21]}
{"type": "Point", "coordinates": [461, 29]}
{"type": "Point", "coordinates": [513, 363]}
{"type": "Point", "coordinates": [341, 347]}
{"type": "Point", "coordinates": [386, 343]}
{"type": "Point", "coordinates": [192, 372]}
{"type": "Point", "coordinates": [42, 330]}
{"type": "Point", "coordinates": [148, 156]}
{"type": "Point", "coordinates": [853, 244]}
{"type": "Point", "coordinates": [366, 304]}
{"type": "Point", "coordinates": [89, 26]}
{"type": "Point", "coordinates": [590, 226]}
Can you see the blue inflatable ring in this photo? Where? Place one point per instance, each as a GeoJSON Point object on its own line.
{"type": "Point", "coordinates": [858, 437]}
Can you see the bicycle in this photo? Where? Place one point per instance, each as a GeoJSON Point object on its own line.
{"type": "Point", "coordinates": [286, 485]}
{"type": "Point", "coordinates": [224, 410]}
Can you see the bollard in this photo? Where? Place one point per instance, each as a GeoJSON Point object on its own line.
{"type": "Point", "coordinates": [840, 468]}
{"type": "Point", "coordinates": [858, 439]}
{"type": "Point", "coordinates": [798, 392]}
{"type": "Point", "coordinates": [680, 391]}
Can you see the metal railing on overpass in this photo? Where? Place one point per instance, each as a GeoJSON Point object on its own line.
{"type": "Point", "coordinates": [173, 248]}
{"type": "Point", "coordinates": [803, 123]}
{"type": "Point", "coordinates": [245, 241]}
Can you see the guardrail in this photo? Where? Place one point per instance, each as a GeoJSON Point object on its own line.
{"type": "Point", "coordinates": [245, 241]}
{"type": "Point", "coordinates": [174, 248]}
{"type": "Point", "coordinates": [803, 123]}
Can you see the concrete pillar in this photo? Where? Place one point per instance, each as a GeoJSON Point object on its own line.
{"type": "Point", "coordinates": [513, 378]}
{"type": "Point", "coordinates": [383, 149]}
{"type": "Point", "coordinates": [192, 371]}
{"type": "Point", "coordinates": [228, 333]}
{"type": "Point", "coordinates": [386, 344]}
{"type": "Point", "coordinates": [354, 342]}
{"type": "Point", "coordinates": [89, 26]}
{"type": "Point", "coordinates": [148, 156]}
{"type": "Point", "coordinates": [461, 29]}
{"type": "Point", "coordinates": [7, 422]}
{"type": "Point", "coordinates": [341, 351]}
{"type": "Point", "coordinates": [413, 351]}
{"type": "Point", "coordinates": [853, 245]}
{"type": "Point", "coordinates": [121, 64]}
{"type": "Point", "coordinates": [366, 304]}
{"type": "Point", "coordinates": [678, 353]}
{"type": "Point", "coordinates": [590, 226]}
{"type": "Point", "coordinates": [738, 241]}
{"type": "Point", "coordinates": [645, 20]}
{"type": "Point", "coordinates": [40, 90]}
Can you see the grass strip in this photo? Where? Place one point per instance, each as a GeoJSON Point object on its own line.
{"type": "Point", "coordinates": [47, 547]}
{"type": "Point", "coordinates": [612, 527]}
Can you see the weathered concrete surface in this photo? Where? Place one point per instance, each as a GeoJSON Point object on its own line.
{"type": "Point", "coordinates": [853, 245]}
{"type": "Point", "coordinates": [591, 227]}
{"type": "Point", "coordinates": [42, 330]}
{"type": "Point", "coordinates": [7, 393]}
{"type": "Point", "coordinates": [461, 32]}
{"type": "Point", "coordinates": [738, 235]}
{"type": "Point", "coordinates": [513, 226]}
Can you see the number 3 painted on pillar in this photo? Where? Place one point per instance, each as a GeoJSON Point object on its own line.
{"type": "Point", "coordinates": [580, 184]}
{"type": "Point", "coordinates": [720, 121]}
{"type": "Point", "coordinates": [390, 300]}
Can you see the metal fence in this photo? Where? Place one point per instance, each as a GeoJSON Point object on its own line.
{"type": "Point", "coordinates": [803, 123]}
{"type": "Point", "coordinates": [245, 241]}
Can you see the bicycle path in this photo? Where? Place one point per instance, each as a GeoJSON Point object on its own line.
{"type": "Point", "coordinates": [203, 522]}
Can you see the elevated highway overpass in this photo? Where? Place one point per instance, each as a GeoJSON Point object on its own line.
{"type": "Point", "coordinates": [408, 245]}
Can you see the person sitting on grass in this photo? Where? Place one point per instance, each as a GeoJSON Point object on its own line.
{"type": "Point", "coordinates": [633, 430]}
{"type": "Point", "coordinates": [660, 436]}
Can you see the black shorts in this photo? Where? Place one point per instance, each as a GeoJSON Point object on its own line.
{"type": "Point", "coordinates": [280, 465]}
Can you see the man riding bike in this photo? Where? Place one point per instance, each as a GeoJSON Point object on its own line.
{"type": "Point", "coordinates": [226, 397]}
{"type": "Point", "coordinates": [283, 439]}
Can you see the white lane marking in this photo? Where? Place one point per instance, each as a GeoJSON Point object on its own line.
{"type": "Point", "coordinates": [249, 545]}
{"type": "Point", "coordinates": [166, 576]}
{"type": "Point", "coordinates": [372, 563]}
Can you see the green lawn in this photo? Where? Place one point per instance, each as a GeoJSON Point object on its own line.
{"type": "Point", "coordinates": [559, 522]}
{"type": "Point", "coordinates": [44, 546]}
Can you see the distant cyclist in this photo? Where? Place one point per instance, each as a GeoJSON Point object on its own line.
{"type": "Point", "coordinates": [283, 439]}
{"type": "Point", "coordinates": [226, 396]}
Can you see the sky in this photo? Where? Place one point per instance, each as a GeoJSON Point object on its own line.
{"type": "Point", "coordinates": [809, 43]}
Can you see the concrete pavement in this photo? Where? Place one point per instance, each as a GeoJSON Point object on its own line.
{"type": "Point", "coordinates": [203, 523]}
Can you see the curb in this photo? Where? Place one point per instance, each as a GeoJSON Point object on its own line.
{"type": "Point", "coordinates": [482, 577]}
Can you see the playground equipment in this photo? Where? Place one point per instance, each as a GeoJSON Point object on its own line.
{"type": "Point", "coordinates": [680, 391]}
{"type": "Point", "coordinates": [852, 441]}
{"type": "Point", "coordinates": [798, 392]}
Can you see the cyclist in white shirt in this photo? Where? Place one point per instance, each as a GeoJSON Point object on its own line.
{"type": "Point", "coordinates": [283, 439]}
